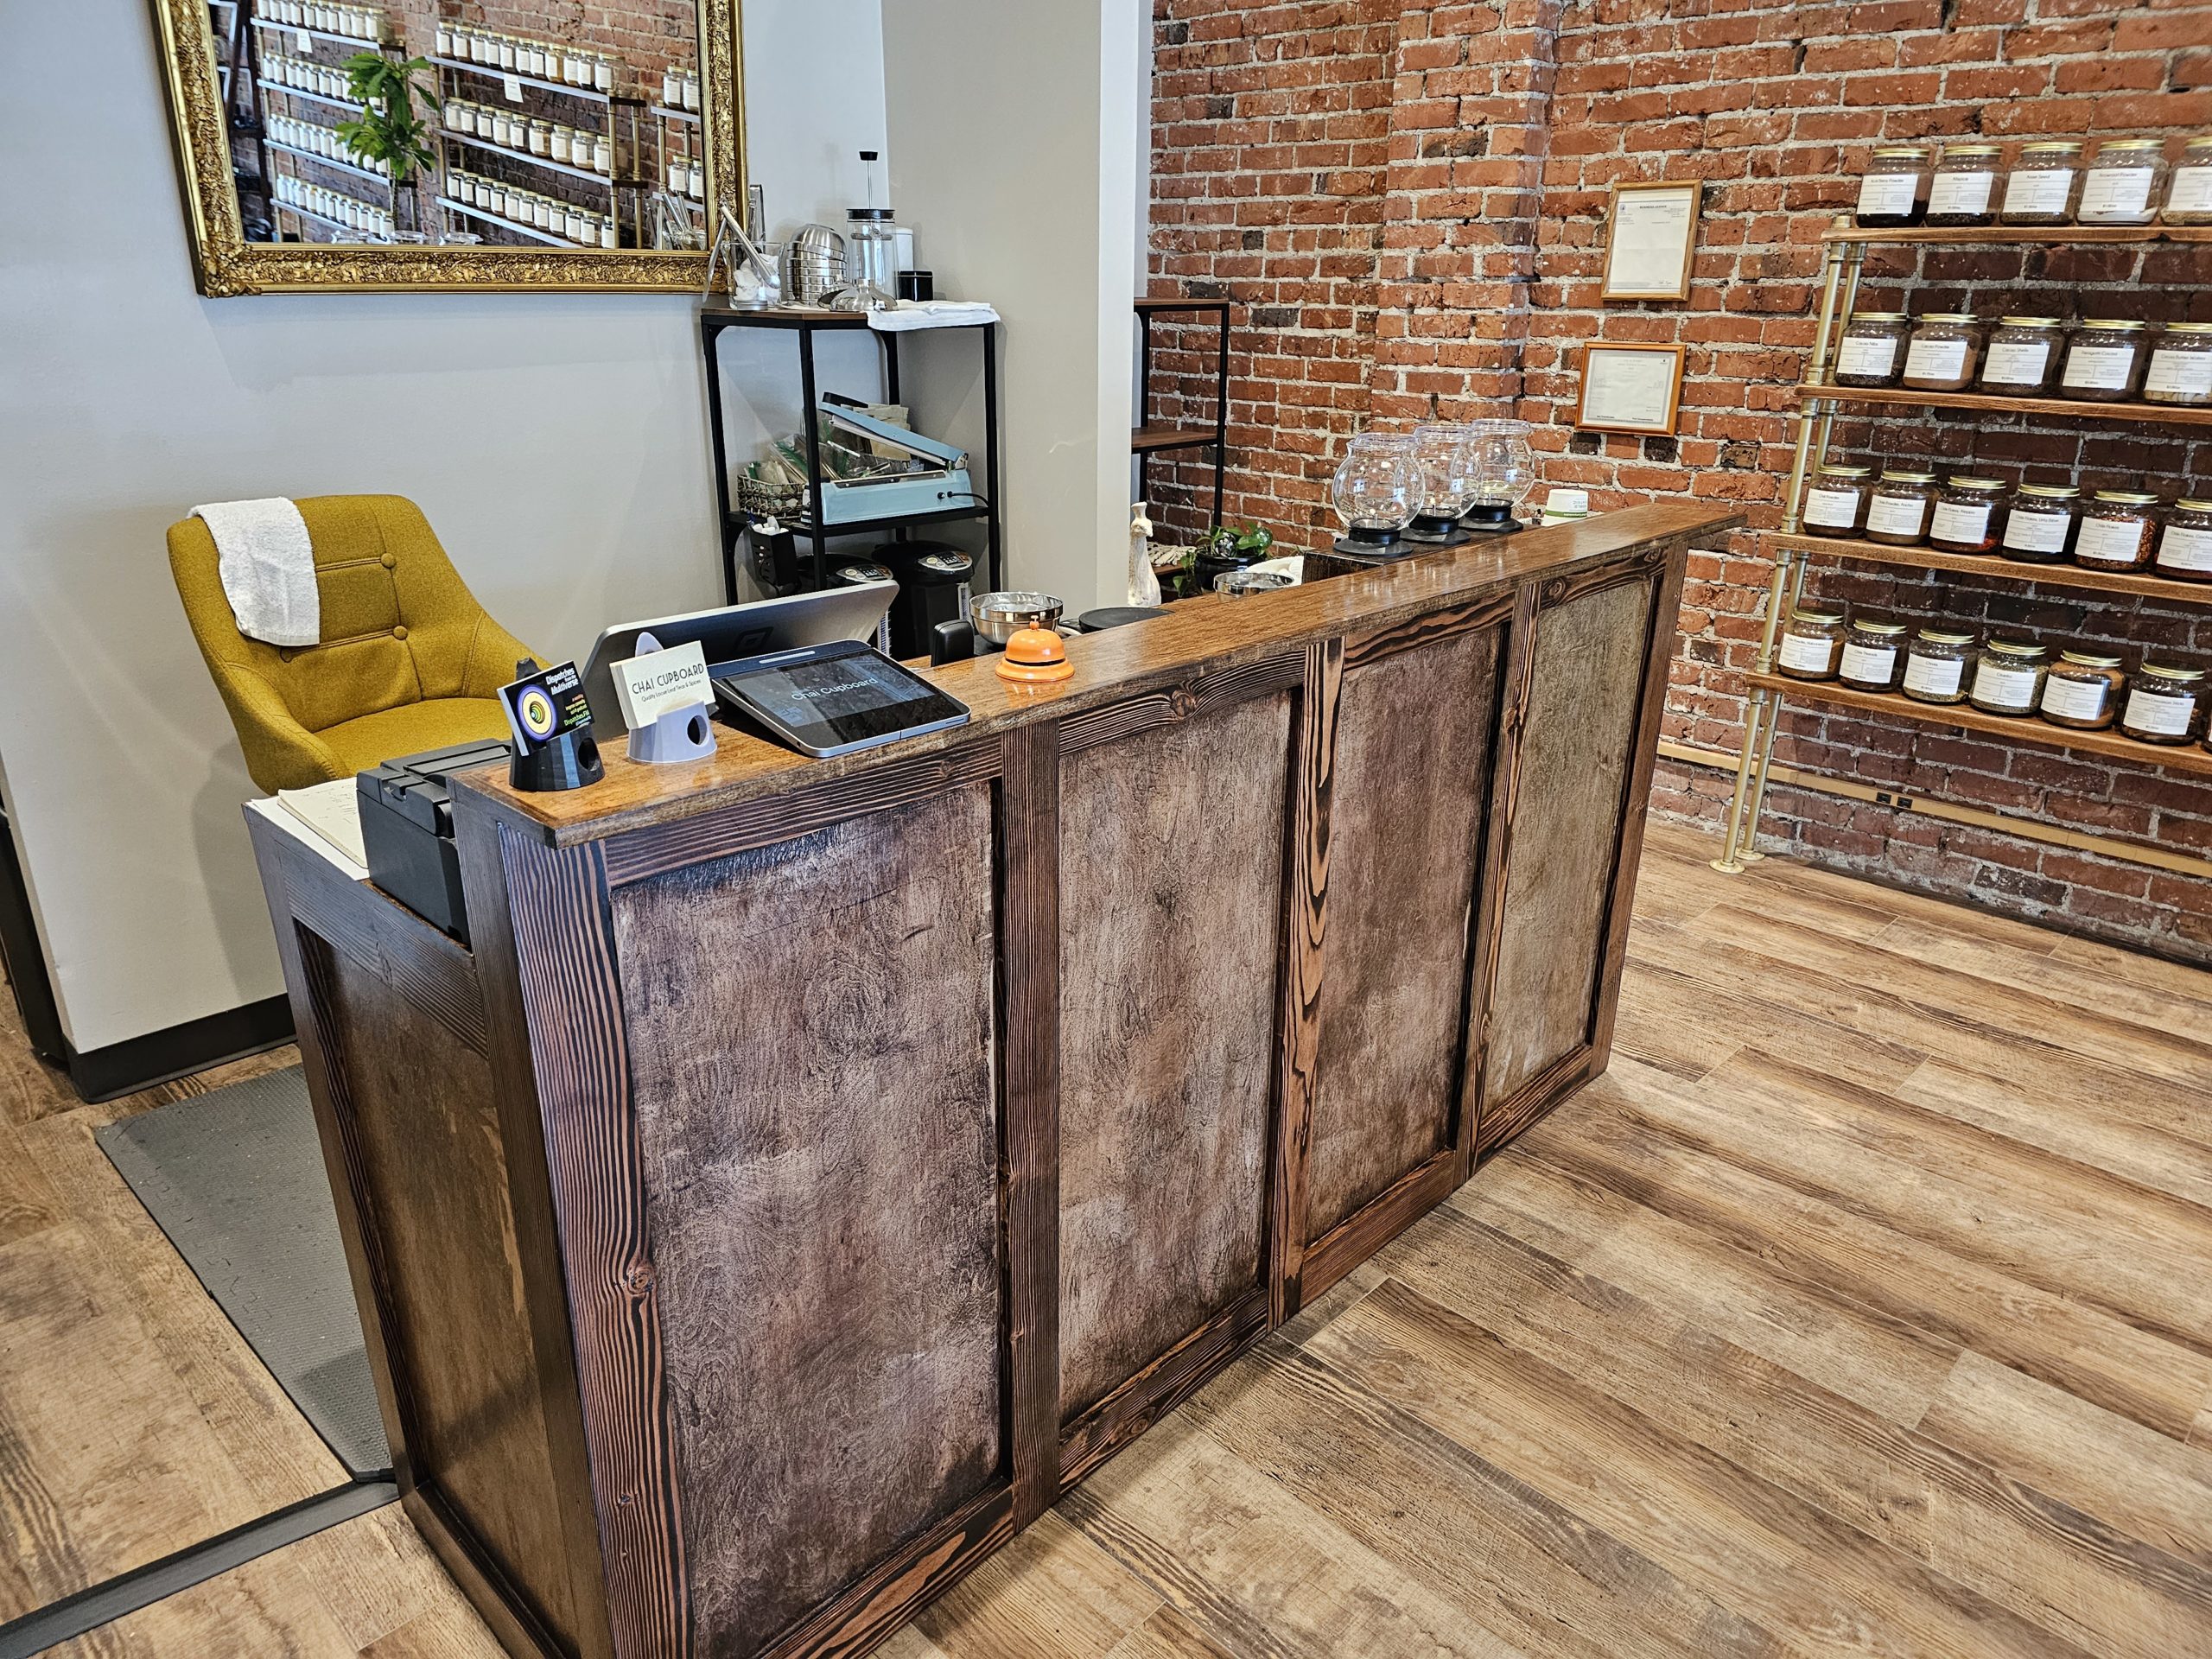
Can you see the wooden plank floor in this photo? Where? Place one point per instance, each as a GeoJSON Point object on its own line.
{"type": "Point", "coordinates": [1864, 1308]}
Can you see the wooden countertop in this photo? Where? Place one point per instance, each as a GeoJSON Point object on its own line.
{"type": "Point", "coordinates": [1207, 633]}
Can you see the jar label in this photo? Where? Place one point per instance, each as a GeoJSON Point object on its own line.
{"type": "Point", "coordinates": [1961, 193]}
{"type": "Point", "coordinates": [2016, 363]}
{"type": "Point", "coordinates": [1960, 521]}
{"type": "Point", "coordinates": [2115, 193]}
{"type": "Point", "coordinates": [1861, 355]}
{"type": "Point", "coordinates": [2184, 549]}
{"type": "Point", "coordinates": [2099, 368]}
{"type": "Point", "coordinates": [2076, 699]}
{"type": "Point", "coordinates": [2008, 687]}
{"type": "Point", "coordinates": [2156, 711]}
{"type": "Point", "coordinates": [1936, 360]}
{"type": "Point", "coordinates": [2191, 192]}
{"type": "Point", "coordinates": [1870, 664]}
{"type": "Point", "coordinates": [2108, 541]}
{"type": "Point", "coordinates": [1934, 676]}
{"type": "Point", "coordinates": [2036, 532]}
{"type": "Point", "coordinates": [1832, 509]}
{"type": "Point", "coordinates": [1887, 193]}
{"type": "Point", "coordinates": [2183, 372]}
{"type": "Point", "coordinates": [1807, 653]}
{"type": "Point", "coordinates": [1896, 515]}
{"type": "Point", "coordinates": [2043, 191]}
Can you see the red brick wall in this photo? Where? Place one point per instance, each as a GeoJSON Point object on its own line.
{"type": "Point", "coordinates": [1460, 274]}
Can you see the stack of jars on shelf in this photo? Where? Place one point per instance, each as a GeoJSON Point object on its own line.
{"type": "Point", "coordinates": [295, 134]}
{"type": "Point", "coordinates": [1904, 505]}
{"type": "Point", "coordinates": [517, 206]}
{"type": "Point", "coordinates": [593, 152]}
{"type": "Point", "coordinates": [333, 206]}
{"type": "Point", "coordinates": [2083, 690]}
{"type": "Point", "coordinates": [517, 54]}
{"type": "Point", "coordinates": [2100, 359]}
{"type": "Point", "coordinates": [355, 23]}
{"type": "Point", "coordinates": [299, 75]}
{"type": "Point", "coordinates": [2046, 182]}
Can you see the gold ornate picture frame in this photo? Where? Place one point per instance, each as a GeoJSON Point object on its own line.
{"type": "Point", "coordinates": [224, 264]}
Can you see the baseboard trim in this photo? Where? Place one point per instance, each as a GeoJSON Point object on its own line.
{"type": "Point", "coordinates": [178, 1051]}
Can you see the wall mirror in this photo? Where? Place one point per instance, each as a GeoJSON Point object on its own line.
{"type": "Point", "coordinates": [453, 144]}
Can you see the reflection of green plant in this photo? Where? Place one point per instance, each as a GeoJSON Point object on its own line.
{"type": "Point", "coordinates": [1225, 539]}
{"type": "Point", "coordinates": [388, 130]}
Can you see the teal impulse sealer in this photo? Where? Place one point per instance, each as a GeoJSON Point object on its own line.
{"type": "Point", "coordinates": [935, 479]}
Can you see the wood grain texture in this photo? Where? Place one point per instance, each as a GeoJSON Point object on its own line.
{"type": "Point", "coordinates": [811, 1039]}
{"type": "Point", "coordinates": [1412, 740]}
{"type": "Point", "coordinates": [1172, 844]}
{"type": "Point", "coordinates": [1573, 770]}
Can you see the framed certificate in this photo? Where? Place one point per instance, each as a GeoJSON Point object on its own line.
{"type": "Point", "coordinates": [1629, 388]}
{"type": "Point", "coordinates": [1651, 236]}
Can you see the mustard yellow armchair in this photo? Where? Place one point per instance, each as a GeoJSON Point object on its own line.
{"type": "Point", "coordinates": [408, 660]}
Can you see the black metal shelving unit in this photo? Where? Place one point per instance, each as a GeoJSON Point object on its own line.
{"type": "Point", "coordinates": [1148, 439]}
{"type": "Point", "coordinates": [806, 322]}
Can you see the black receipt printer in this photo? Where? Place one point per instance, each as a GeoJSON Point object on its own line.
{"type": "Point", "coordinates": [407, 828]}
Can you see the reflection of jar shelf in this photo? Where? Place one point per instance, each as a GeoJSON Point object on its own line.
{"type": "Point", "coordinates": [278, 86]}
{"type": "Point", "coordinates": [317, 34]}
{"type": "Point", "coordinates": [1963, 235]}
{"type": "Point", "coordinates": [530, 231]}
{"type": "Point", "coordinates": [667, 114]}
{"type": "Point", "coordinates": [589, 175]}
{"type": "Point", "coordinates": [2164, 413]}
{"type": "Point", "coordinates": [1964, 716]}
{"type": "Point", "coordinates": [337, 225]}
{"type": "Point", "coordinates": [1992, 564]}
{"type": "Point", "coordinates": [588, 94]}
{"type": "Point", "coordinates": [368, 174]}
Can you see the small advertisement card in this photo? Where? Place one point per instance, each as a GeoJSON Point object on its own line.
{"type": "Point", "coordinates": [660, 681]}
{"type": "Point", "coordinates": [542, 706]}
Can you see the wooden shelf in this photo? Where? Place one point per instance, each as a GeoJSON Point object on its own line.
{"type": "Point", "coordinates": [2021, 235]}
{"type": "Point", "coordinates": [1146, 439]}
{"type": "Point", "coordinates": [688, 117]}
{"type": "Point", "coordinates": [1961, 716]}
{"type": "Point", "coordinates": [2155, 414]}
{"type": "Point", "coordinates": [1990, 564]}
{"type": "Point", "coordinates": [324, 99]}
{"type": "Point", "coordinates": [368, 174]}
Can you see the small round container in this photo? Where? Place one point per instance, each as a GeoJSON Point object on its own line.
{"type": "Point", "coordinates": [2039, 524]}
{"type": "Point", "coordinates": [2117, 532]}
{"type": "Point", "coordinates": [1943, 353]}
{"type": "Point", "coordinates": [2189, 191]}
{"type": "Point", "coordinates": [1873, 656]}
{"type": "Point", "coordinates": [1935, 667]}
{"type": "Point", "coordinates": [1811, 647]}
{"type": "Point", "coordinates": [2022, 357]}
{"type": "Point", "coordinates": [2123, 183]}
{"type": "Point", "coordinates": [2043, 184]}
{"type": "Point", "coordinates": [2165, 705]}
{"type": "Point", "coordinates": [2179, 374]}
{"type": "Point", "coordinates": [1836, 504]}
{"type": "Point", "coordinates": [557, 143]}
{"type": "Point", "coordinates": [2185, 545]}
{"type": "Point", "coordinates": [2008, 677]}
{"type": "Point", "coordinates": [1964, 518]}
{"type": "Point", "coordinates": [2105, 361]}
{"type": "Point", "coordinates": [1898, 508]}
{"type": "Point", "coordinates": [2083, 690]}
{"type": "Point", "coordinates": [1963, 189]}
{"type": "Point", "coordinates": [1894, 189]}
{"type": "Point", "coordinates": [1872, 350]}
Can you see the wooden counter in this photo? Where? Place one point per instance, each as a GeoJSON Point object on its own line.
{"type": "Point", "coordinates": [818, 1167]}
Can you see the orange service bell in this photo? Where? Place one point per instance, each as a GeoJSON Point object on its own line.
{"type": "Point", "coordinates": [1034, 656]}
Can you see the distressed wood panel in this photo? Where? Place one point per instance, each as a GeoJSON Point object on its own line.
{"type": "Point", "coordinates": [1171, 884]}
{"type": "Point", "coordinates": [1576, 749]}
{"type": "Point", "coordinates": [812, 1051]}
{"type": "Point", "coordinates": [1413, 733]}
{"type": "Point", "coordinates": [430, 1176]}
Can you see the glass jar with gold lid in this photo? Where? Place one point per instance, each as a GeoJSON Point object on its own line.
{"type": "Point", "coordinates": [2039, 524]}
{"type": "Point", "coordinates": [2165, 705]}
{"type": "Point", "coordinates": [2180, 371]}
{"type": "Point", "coordinates": [1873, 655]}
{"type": "Point", "coordinates": [2121, 184]}
{"type": "Point", "coordinates": [1812, 644]}
{"type": "Point", "coordinates": [1872, 350]}
{"type": "Point", "coordinates": [1836, 504]}
{"type": "Point", "coordinates": [1899, 506]}
{"type": "Point", "coordinates": [2117, 532]}
{"type": "Point", "coordinates": [1935, 668]}
{"type": "Point", "coordinates": [1965, 519]}
{"type": "Point", "coordinates": [2185, 545]}
{"type": "Point", "coordinates": [2105, 359]}
{"type": "Point", "coordinates": [1893, 191]}
{"type": "Point", "coordinates": [2042, 187]}
{"type": "Point", "coordinates": [2082, 691]}
{"type": "Point", "coordinates": [2021, 359]}
{"type": "Point", "coordinates": [1963, 189]}
{"type": "Point", "coordinates": [2189, 191]}
{"type": "Point", "coordinates": [1944, 353]}
{"type": "Point", "coordinates": [2008, 676]}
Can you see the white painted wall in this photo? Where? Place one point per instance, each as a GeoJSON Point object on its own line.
{"type": "Point", "coordinates": [557, 443]}
{"type": "Point", "coordinates": [1013, 155]}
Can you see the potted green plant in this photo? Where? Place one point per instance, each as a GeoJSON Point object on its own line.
{"type": "Point", "coordinates": [389, 132]}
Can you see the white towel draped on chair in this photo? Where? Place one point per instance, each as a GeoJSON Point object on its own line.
{"type": "Point", "coordinates": [267, 564]}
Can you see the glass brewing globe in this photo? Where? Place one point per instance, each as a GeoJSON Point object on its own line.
{"type": "Point", "coordinates": [1376, 490]}
{"type": "Point", "coordinates": [1444, 452]}
{"type": "Point", "coordinates": [1505, 470]}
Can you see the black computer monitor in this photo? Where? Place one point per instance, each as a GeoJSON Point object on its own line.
{"type": "Point", "coordinates": [732, 631]}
